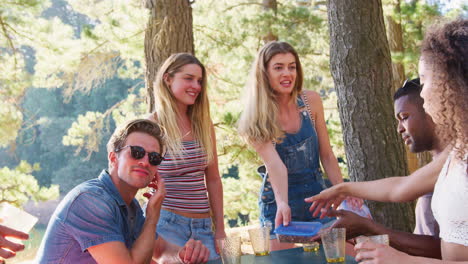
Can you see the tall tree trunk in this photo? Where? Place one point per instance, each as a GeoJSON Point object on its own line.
{"type": "Point", "coordinates": [267, 6]}
{"type": "Point", "coordinates": [169, 31]}
{"type": "Point", "coordinates": [395, 41]}
{"type": "Point", "coordinates": [362, 72]}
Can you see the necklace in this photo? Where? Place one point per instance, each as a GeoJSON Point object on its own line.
{"type": "Point", "coordinates": [186, 134]}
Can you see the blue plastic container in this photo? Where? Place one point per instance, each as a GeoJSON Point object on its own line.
{"type": "Point", "coordinates": [298, 232]}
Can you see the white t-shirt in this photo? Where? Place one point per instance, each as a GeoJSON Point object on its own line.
{"type": "Point", "coordinates": [425, 221]}
{"type": "Point", "coordinates": [450, 201]}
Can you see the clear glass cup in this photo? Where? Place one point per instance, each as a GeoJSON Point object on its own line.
{"type": "Point", "coordinates": [333, 241]}
{"type": "Point", "coordinates": [379, 239]}
{"type": "Point", "coordinates": [230, 248]}
{"type": "Point", "coordinates": [311, 247]}
{"type": "Point", "coordinates": [260, 238]}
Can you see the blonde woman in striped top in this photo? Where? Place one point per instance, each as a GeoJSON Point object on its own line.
{"type": "Point", "coordinates": [190, 166]}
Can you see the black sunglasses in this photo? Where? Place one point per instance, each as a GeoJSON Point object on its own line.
{"type": "Point", "coordinates": [138, 152]}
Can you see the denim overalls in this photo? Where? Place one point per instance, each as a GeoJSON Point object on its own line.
{"type": "Point", "coordinates": [300, 154]}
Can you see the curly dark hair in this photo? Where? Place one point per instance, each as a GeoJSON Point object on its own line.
{"type": "Point", "coordinates": [445, 47]}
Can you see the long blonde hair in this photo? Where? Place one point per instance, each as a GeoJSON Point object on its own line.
{"type": "Point", "coordinates": [258, 122]}
{"type": "Point", "coordinates": [167, 113]}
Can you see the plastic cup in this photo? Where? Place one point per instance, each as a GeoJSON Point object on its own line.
{"type": "Point", "coordinates": [230, 248]}
{"type": "Point", "coordinates": [16, 218]}
{"type": "Point", "coordinates": [311, 247]}
{"type": "Point", "coordinates": [334, 241]}
{"type": "Point", "coordinates": [260, 238]}
{"type": "Point", "coordinates": [379, 239]}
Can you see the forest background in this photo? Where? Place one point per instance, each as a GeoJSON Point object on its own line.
{"type": "Point", "coordinates": [71, 70]}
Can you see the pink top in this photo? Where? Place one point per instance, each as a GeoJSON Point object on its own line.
{"type": "Point", "coordinates": [185, 179]}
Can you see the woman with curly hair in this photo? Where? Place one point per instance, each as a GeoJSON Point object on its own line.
{"type": "Point", "coordinates": [443, 69]}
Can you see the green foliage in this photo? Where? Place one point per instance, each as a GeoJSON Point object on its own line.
{"type": "Point", "coordinates": [13, 80]}
{"type": "Point", "coordinates": [414, 17]}
{"type": "Point", "coordinates": [91, 53]}
{"type": "Point", "coordinates": [17, 186]}
{"type": "Point", "coordinates": [50, 119]}
{"type": "Point", "coordinates": [241, 202]}
{"type": "Point", "coordinates": [10, 118]}
{"type": "Point", "coordinates": [87, 124]}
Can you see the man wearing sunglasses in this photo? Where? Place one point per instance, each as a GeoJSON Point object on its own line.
{"type": "Point", "coordinates": [100, 221]}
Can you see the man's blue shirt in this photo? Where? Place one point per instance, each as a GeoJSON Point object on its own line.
{"type": "Point", "coordinates": [92, 213]}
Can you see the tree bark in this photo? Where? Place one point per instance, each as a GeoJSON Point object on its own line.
{"type": "Point", "coordinates": [395, 42]}
{"type": "Point", "coordinates": [169, 30]}
{"type": "Point", "coordinates": [362, 72]}
{"type": "Point", "coordinates": [270, 5]}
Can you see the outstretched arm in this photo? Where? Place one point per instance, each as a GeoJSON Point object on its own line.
{"type": "Point", "coordinates": [393, 189]}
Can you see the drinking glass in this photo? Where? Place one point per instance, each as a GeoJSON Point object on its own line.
{"type": "Point", "coordinates": [379, 239]}
{"type": "Point", "coordinates": [260, 238]}
{"type": "Point", "coordinates": [333, 241]}
{"type": "Point", "coordinates": [311, 247]}
{"type": "Point", "coordinates": [230, 248]}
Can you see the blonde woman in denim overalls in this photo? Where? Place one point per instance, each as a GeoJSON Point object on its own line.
{"type": "Point", "coordinates": [286, 127]}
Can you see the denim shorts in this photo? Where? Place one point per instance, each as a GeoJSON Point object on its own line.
{"type": "Point", "coordinates": [178, 229]}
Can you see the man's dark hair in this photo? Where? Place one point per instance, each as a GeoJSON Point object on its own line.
{"type": "Point", "coordinates": [412, 89]}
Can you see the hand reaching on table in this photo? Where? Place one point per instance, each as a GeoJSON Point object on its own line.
{"type": "Point", "coordinates": [355, 224]}
{"type": "Point", "coordinates": [326, 199]}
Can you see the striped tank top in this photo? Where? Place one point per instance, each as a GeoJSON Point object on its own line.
{"type": "Point", "coordinates": [185, 179]}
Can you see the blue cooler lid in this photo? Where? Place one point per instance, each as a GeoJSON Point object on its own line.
{"type": "Point", "coordinates": [299, 229]}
